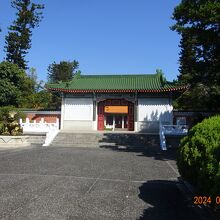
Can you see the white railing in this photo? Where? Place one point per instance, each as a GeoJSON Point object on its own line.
{"type": "Point", "coordinates": [40, 127]}
{"type": "Point", "coordinates": [51, 129]}
{"type": "Point", "coordinates": [170, 130]}
{"type": "Point", "coordinates": [162, 138]}
{"type": "Point", "coordinates": [175, 129]}
{"type": "Point", "coordinates": [50, 136]}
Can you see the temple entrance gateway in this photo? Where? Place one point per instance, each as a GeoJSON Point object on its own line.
{"type": "Point", "coordinates": [96, 102]}
{"type": "Point", "coordinates": [115, 114]}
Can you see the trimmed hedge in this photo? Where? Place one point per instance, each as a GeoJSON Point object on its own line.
{"type": "Point", "coordinates": [199, 157]}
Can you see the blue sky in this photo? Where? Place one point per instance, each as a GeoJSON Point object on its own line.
{"type": "Point", "coordinates": [105, 36]}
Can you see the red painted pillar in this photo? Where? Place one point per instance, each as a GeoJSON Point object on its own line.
{"type": "Point", "coordinates": [100, 116]}
{"type": "Point", "coordinates": [131, 117]}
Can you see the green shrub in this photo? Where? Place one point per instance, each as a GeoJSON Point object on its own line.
{"type": "Point", "coordinates": [9, 121]}
{"type": "Point", "coordinates": [199, 156]}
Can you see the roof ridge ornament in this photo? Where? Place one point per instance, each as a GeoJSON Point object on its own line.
{"type": "Point", "coordinates": [77, 75]}
{"type": "Point", "coordinates": [162, 77]}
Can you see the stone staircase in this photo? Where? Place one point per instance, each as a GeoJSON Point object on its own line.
{"type": "Point", "coordinates": [105, 140]}
{"type": "Point", "coordinates": [36, 140]}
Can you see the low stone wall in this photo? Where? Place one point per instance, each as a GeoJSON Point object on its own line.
{"type": "Point", "coordinates": [173, 140]}
{"type": "Point", "coordinates": [24, 140]}
{"type": "Point", "coordinates": [13, 140]}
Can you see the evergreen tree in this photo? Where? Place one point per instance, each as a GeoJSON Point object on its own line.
{"type": "Point", "coordinates": [63, 71]}
{"type": "Point", "coordinates": [18, 40]}
{"type": "Point", "coordinates": [187, 59]}
{"type": "Point", "coordinates": [198, 23]}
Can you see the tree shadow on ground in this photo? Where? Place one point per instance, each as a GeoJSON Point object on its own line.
{"type": "Point", "coordinates": [164, 201]}
{"type": "Point", "coordinates": [142, 144]}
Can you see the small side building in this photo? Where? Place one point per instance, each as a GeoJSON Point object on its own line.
{"type": "Point", "coordinates": [115, 102]}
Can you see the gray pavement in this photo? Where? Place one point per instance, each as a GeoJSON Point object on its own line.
{"type": "Point", "coordinates": [91, 183]}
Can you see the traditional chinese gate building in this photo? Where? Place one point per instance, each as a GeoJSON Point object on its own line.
{"type": "Point", "coordinates": [115, 102]}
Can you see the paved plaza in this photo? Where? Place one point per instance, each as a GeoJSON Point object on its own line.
{"type": "Point", "coordinates": [91, 183]}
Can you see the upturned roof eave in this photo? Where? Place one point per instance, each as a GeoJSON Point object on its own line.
{"type": "Point", "coordinates": [118, 90]}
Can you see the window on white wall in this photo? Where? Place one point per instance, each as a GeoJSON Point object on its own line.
{"type": "Point", "coordinates": [78, 109]}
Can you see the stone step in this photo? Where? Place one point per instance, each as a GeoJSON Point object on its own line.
{"type": "Point", "coordinates": [74, 145]}
{"type": "Point", "coordinates": [104, 139]}
{"type": "Point", "coordinates": [36, 140]}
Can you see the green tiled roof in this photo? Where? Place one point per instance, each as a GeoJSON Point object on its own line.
{"type": "Point", "coordinates": [113, 83]}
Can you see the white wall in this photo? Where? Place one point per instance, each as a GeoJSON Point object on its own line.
{"type": "Point", "coordinates": [78, 109]}
{"type": "Point", "coordinates": [78, 114]}
{"type": "Point", "coordinates": [153, 110]}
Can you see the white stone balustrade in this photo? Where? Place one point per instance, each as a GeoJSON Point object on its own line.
{"type": "Point", "coordinates": [174, 130]}
{"type": "Point", "coordinates": [51, 129]}
{"type": "Point", "coordinates": [41, 127]}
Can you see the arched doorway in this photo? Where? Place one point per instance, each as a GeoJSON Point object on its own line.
{"type": "Point", "coordinates": [117, 114]}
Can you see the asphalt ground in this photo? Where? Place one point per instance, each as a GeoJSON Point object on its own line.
{"type": "Point", "coordinates": [92, 183]}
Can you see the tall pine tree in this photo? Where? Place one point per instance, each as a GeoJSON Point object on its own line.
{"type": "Point", "coordinates": [197, 21]}
{"type": "Point", "coordinates": [18, 40]}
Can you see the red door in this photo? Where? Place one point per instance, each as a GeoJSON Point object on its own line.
{"type": "Point", "coordinates": [131, 117]}
{"type": "Point", "coordinates": [100, 116]}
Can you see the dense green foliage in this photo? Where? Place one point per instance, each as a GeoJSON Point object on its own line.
{"type": "Point", "coordinates": [63, 71]}
{"type": "Point", "coordinates": [199, 156]}
{"type": "Point", "coordinates": [15, 85]}
{"type": "Point", "coordinates": [18, 40]}
{"type": "Point", "coordinates": [21, 90]}
{"type": "Point", "coordinates": [9, 124]}
{"type": "Point", "coordinates": [40, 98]}
{"type": "Point", "coordinates": [198, 24]}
